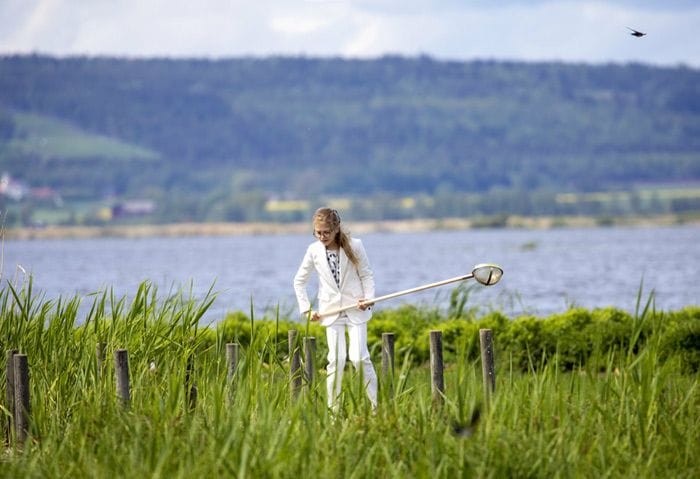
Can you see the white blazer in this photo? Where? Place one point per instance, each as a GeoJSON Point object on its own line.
{"type": "Point", "coordinates": [355, 282]}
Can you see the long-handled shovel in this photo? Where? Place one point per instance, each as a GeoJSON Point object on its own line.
{"type": "Point", "coordinates": [486, 274]}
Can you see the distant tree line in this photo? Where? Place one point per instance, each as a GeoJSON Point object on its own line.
{"type": "Point", "coordinates": [228, 134]}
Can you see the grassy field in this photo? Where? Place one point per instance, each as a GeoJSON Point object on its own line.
{"type": "Point", "coordinates": [626, 412]}
{"type": "Point", "coordinates": [53, 138]}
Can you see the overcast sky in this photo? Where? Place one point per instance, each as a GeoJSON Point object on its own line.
{"type": "Point", "coordinates": [529, 30]}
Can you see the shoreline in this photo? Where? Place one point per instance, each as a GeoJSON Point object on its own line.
{"type": "Point", "coordinates": [360, 227]}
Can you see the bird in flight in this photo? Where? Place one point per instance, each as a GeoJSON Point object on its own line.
{"type": "Point", "coordinates": [636, 33]}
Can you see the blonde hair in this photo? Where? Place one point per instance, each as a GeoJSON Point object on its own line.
{"type": "Point", "coordinates": [331, 217]}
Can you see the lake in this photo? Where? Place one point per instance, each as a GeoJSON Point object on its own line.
{"type": "Point", "coordinates": [545, 271]}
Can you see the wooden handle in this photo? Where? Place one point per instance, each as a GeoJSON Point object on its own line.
{"type": "Point", "coordinates": [398, 293]}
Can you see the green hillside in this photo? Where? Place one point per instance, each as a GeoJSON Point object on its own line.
{"type": "Point", "coordinates": [49, 138]}
{"type": "Point", "coordinates": [222, 138]}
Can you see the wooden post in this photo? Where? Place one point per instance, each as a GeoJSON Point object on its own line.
{"type": "Point", "coordinates": [22, 404]}
{"type": "Point", "coordinates": [121, 371]}
{"type": "Point", "coordinates": [294, 364]}
{"type": "Point", "coordinates": [232, 360]}
{"type": "Point", "coordinates": [10, 393]}
{"type": "Point", "coordinates": [436, 367]}
{"type": "Point", "coordinates": [191, 391]}
{"type": "Point", "coordinates": [388, 361]}
{"type": "Point", "coordinates": [309, 353]}
{"type": "Point", "coordinates": [100, 350]}
{"type": "Point", "coordinates": [487, 362]}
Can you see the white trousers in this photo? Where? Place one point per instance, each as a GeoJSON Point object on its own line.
{"type": "Point", "coordinates": [359, 356]}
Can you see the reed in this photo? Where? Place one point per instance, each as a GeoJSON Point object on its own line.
{"type": "Point", "coordinates": [626, 412]}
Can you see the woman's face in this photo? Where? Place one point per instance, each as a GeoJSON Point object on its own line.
{"type": "Point", "coordinates": [325, 233]}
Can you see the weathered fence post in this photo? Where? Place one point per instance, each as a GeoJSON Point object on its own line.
{"type": "Point", "coordinates": [10, 393]}
{"type": "Point", "coordinates": [231, 360]}
{"type": "Point", "coordinates": [487, 362]}
{"type": "Point", "coordinates": [191, 391]}
{"type": "Point", "coordinates": [294, 364]}
{"type": "Point", "coordinates": [22, 407]}
{"type": "Point", "coordinates": [436, 367]}
{"type": "Point", "coordinates": [100, 350]}
{"type": "Point", "coordinates": [232, 366]}
{"type": "Point", "coordinates": [121, 372]}
{"type": "Point", "coordinates": [309, 367]}
{"type": "Point", "coordinates": [388, 361]}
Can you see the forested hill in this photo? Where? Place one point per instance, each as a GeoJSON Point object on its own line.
{"type": "Point", "coordinates": [300, 127]}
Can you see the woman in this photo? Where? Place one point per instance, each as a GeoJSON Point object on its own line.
{"type": "Point", "coordinates": [345, 277]}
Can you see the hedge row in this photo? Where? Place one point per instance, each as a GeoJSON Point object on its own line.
{"type": "Point", "coordinates": [572, 338]}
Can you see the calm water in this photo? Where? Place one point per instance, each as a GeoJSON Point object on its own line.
{"type": "Point", "coordinates": [545, 271]}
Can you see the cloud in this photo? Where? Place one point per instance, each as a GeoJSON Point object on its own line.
{"type": "Point", "coordinates": [535, 30]}
{"type": "Point", "coordinates": [296, 25]}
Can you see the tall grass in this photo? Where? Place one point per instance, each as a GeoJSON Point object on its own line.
{"type": "Point", "coordinates": [626, 412]}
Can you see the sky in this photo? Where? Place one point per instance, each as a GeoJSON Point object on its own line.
{"type": "Point", "coordinates": [520, 30]}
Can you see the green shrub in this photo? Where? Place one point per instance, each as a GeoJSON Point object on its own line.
{"type": "Point", "coordinates": [681, 337]}
{"type": "Point", "coordinates": [568, 336]}
{"type": "Point", "coordinates": [407, 322]}
{"type": "Point", "coordinates": [571, 338]}
{"type": "Point", "coordinates": [235, 328]}
{"type": "Point", "coordinates": [460, 340]}
{"type": "Point", "coordinates": [522, 341]}
{"type": "Point", "coordinates": [272, 333]}
{"type": "Point", "coordinates": [611, 329]}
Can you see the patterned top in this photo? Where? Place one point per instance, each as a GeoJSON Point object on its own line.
{"type": "Point", "coordinates": [334, 263]}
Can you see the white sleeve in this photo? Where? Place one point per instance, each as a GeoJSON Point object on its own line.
{"type": "Point", "coordinates": [364, 270]}
{"type": "Point", "coordinates": [301, 278]}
